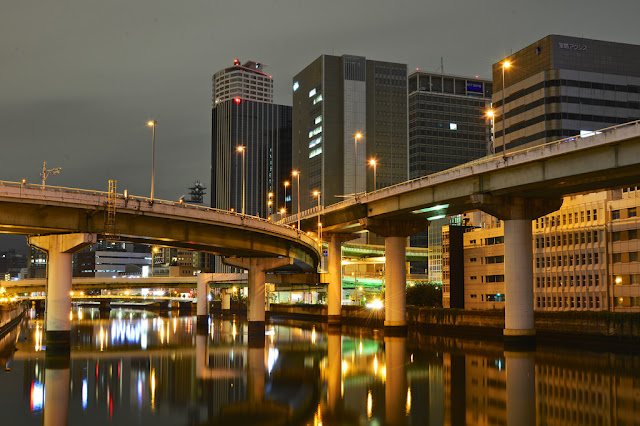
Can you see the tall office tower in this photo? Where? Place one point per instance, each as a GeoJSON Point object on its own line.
{"type": "Point", "coordinates": [448, 123]}
{"type": "Point", "coordinates": [334, 99]}
{"type": "Point", "coordinates": [562, 86]}
{"type": "Point", "coordinates": [244, 115]}
{"type": "Point", "coordinates": [448, 126]}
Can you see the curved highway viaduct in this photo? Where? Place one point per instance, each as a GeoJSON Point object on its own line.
{"type": "Point", "coordinates": [522, 186]}
{"type": "Point", "coordinates": [62, 221]}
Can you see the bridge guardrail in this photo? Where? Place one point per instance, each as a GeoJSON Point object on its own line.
{"type": "Point", "coordinates": [139, 198]}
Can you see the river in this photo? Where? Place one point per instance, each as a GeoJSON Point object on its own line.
{"type": "Point", "coordinates": [138, 368]}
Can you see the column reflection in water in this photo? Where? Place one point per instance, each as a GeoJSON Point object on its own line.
{"type": "Point", "coordinates": [334, 374]}
{"type": "Point", "coordinates": [521, 388]}
{"type": "Point", "coordinates": [56, 391]}
{"type": "Point", "coordinates": [256, 371]}
{"type": "Point", "coordinates": [395, 391]}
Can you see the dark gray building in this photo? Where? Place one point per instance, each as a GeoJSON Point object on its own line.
{"type": "Point", "coordinates": [448, 123]}
{"type": "Point", "coordinates": [243, 115]}
{"type": "Point", "coordinates": [334, 98]}
{"type": "Point", "coordinates": [562, 86]}
{"type": "Point", "coordinates": [448, 126]}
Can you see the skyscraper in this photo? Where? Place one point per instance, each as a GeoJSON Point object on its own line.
{"type": "Point", "coordinates": [562, 86]}
{"type": "Point", "coordinates": [334, 99]}
{"type": "Point", "coordinates": [244, 115]}
{"type": "Point", "coordinates": [448, 126]}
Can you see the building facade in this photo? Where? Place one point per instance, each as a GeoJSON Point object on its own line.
{"type": "Point", "coordinates": [563, 86]}
{"type": "Point", "coordinates": [334, 99]}
{"type": "Point", "coordinates": [570, 255]}
{"type": "Point", "coordinates": [448, 126]}
{"type": "Point", "coordinates": [448, 123]}
{"type": "Point", "coordinates": [244, 115]}
{"type": "Point", "coordinates": [109, 259]}
{"type": "Point", "coordinates": [623, 247]}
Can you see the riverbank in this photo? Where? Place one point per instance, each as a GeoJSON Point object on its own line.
{"type": "Point", "coordinates": [10, 315]}
{"type": "Point", "coordinates": [582, 328]}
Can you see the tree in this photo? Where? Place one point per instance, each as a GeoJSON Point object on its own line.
{"type": "Point", "coordinates": [425, 295]}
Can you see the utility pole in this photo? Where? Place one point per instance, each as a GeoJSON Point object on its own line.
{"type": "Point", "coordinates": [45, 173]}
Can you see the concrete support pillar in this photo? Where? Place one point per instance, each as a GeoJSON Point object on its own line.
{"type": "Point", "coordinates": [518, 278]}
{"type": "Point", "coordinates": [517, 214]}
{"type": "Point", "coordinates": [256, 371]}
{"type": "Point", "coordinates": [395, 313]}
{"type": "Point", "coordinates": [395, 389]}
{"type": "Point", "coordinates": [334, 286]}
{"type": "Point", "coordinates": [203, 301]}
{"type": "Point", "coordinates": [521, 388]}
{"type": "Point", "coordinates": [395, 244]}
{"type": "Point", "coordinates": [56, 391]}
{"type": "Point", "coordinates": [226, 301]}
{"type": "Point", "coordinates": [257, 267]}
{"type": "Point", "coordinates": [60, 248]}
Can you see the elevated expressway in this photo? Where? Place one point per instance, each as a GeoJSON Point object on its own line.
{"type": "Point", "coordinates": [516, 188]}
{"type": "Point", "coordinates": [62, 221]}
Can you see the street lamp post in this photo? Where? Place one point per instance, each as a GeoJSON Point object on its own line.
{"type": "Point", "coordinates": [374, 163]}
{"type": "Point", "coordinates": [355, 164]}
{"type": "Point", "coordinates": [296, 174]}
{"type": "Point", "coordinates": [153, 124]}
{"type": "Point", "coordinates": [505, 64]}
{"type": "Point", "coordinates": [317, 194]}
{"type": "Point", "coordinates": [241, 150]}
{"type": "Point", "coordinates": [270, 202]}
{"type": "Point", "coordinates": [286, 183]}
{"type": "Point", "coordinates": [492, 116]}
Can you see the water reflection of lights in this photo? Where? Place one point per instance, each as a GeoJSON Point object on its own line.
{"type": "Point", "coordinates": [102, 339]}
{"type": "Point", "coordinates": [80, 313]}
{"type": "Point", "coordinates": [84, 394]}
{"type": "Point", "coordinates": [234, 330]}
{"type": "Point", "coordinates": [37, 396]}
{"type": "Point", "coordinates": [317, 418]}
{"type": "Point", "coordinates": [369, 404]}
{"type": "Point", "coordinates": [272, 357]}
{"type": "Point", "coordinates": [408, 408]}
{"type": "Point", "coordinates": [360, 347]}
{"type": "Point", "coordinates": [345, 367]}
{"type": "Point", "coordinates": [375, 364]}
{"type": "Point", "coordinates": [38, 338]}
{"type": "Point", "coordinates": [139, 391]}
{"type": "Point", "coordinates": [153, 389]}
{"type": "Point", "coordinates": [128, 333]}
{"type": "Point", "coordinates": [313, 335]}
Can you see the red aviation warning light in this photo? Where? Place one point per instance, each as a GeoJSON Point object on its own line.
{"type": "Point", "coordinates": [237, 100]}
{"type": "Point", "coordinates": [236, 62]}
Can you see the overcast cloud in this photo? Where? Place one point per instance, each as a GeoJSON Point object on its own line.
{"type": "Point", "coordinates": [79, 79]}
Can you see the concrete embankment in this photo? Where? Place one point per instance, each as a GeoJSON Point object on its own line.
{"type": "Point", "coordinates": [569, 327]}
{"type": "Point", "coordinates": [10, 315]}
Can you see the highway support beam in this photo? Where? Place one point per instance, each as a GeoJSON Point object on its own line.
{"type": "Point", "coordinates": [257, 268]}
{"type": "Point", "coordinates": [60, 249]}
{"type": "Point", "coordinates": [334, 288]}
{"type": "Point", "coordinates": [517, 214]}
{"type": "Point", "coordinates": [395, 233]}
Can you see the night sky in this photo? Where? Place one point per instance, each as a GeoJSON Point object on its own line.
{"type": "Point", "coordinates": [79, 79]}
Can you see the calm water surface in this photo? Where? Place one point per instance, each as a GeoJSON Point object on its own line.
{"type": "Point", "coordinates": [142, 369]}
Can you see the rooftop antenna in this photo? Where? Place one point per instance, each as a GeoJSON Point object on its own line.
{"type": "Point", "coordinates": [45, 173]}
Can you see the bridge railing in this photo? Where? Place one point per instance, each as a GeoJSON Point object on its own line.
{"type": "Point", "coordinates": [483, 160]}
{"type": "Point", "coordinates": [144, 199]}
